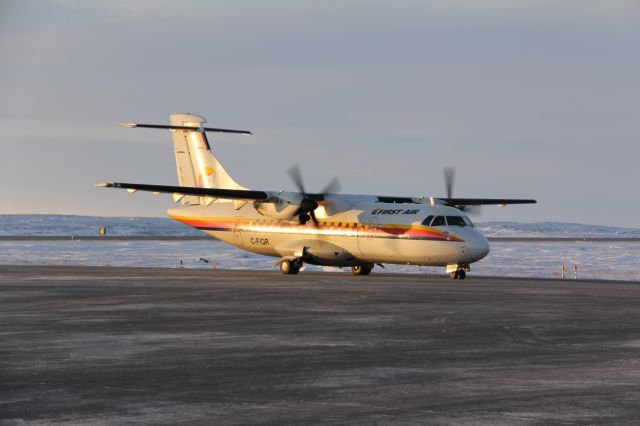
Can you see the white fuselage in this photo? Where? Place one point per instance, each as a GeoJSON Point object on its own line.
{"type": "Point", "coordinates": [351, 230]}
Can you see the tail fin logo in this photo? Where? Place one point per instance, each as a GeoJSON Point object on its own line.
{"type": "Point", "coordinates": [207, 182]}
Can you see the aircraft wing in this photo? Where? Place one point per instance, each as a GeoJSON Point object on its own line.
{"type": "Point", "coordinates": [245, 194]}
{"type": "Point", "coordinates": [230, 194]}
{"type": "Point", "coordinates": [484, 201]}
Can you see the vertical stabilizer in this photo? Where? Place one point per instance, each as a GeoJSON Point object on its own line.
{"type": "Point", "coordinates": [196, 165]}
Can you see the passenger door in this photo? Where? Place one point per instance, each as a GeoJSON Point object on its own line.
{"type": "Point", "coordinates": [366, 235]}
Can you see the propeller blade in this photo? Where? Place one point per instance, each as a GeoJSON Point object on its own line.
{"type": "Point", "coordinates": [313, 218]}
{"type": "Point", "coordinates": [332, 187]}
{"type": "Point", "coordinates": [296, 177]}
{"type": "Point", "coordinates": [449, 174]}
{"type": "Point", "coordinates": [472, 210]}
{"type": "Point", "coordinates": [309, 205]}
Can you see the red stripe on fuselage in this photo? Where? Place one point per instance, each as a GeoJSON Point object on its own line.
{"type": "Point", "coordinates": [398, 231]}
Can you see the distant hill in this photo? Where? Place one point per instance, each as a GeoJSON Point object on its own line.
{"type": "Point", "coordinates": [62, 225]}
{"type": "Point", "coordinates": [554, 229]}
{"type": "Point", "coordinates": [65, 225]}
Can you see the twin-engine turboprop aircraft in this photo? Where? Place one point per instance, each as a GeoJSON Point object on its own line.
{"type": "Point", "coordinates": [326, 228]}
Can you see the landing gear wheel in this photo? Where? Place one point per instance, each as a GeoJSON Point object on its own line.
{"type": "Point", "coordinates": [361, 269]}
{"type": "Point", "coordinates": [289, 267]}
{"type": "Point", "coordinates": [459, 274]}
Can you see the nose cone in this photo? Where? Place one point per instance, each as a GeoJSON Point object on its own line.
{"type": "Point", "coordinates": [478, 247]}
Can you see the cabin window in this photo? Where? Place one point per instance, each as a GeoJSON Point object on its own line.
{"type": "Point", "coordinates": [456, 221]}
{"type": "Point", "coordinates": [428, 220]}
{"type": "Point", "coordinates": [438, 221]}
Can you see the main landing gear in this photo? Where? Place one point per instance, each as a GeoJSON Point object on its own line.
{"type": "Point", "coordinates": [458, 272]}
{"type": "Point", "coordinates": [364, 269]}
{"type": "Point", "coordinates": [290, 266]}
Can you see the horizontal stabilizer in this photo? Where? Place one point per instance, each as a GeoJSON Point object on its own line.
{"type": "Point", "coordinates": [192, 128]}
{"type": "Point", "coordinates": [229, 194]}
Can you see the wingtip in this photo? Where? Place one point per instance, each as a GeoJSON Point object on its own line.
{"type": "Point", "coordinates": [103, 185]}
{"type": "Point", "coordinates": [129, 125]}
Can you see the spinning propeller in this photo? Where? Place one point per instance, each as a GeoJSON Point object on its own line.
{"type": "Point", "coordinates": [309, 203]}
{"type": "Point", "coordinates": [449, 177]}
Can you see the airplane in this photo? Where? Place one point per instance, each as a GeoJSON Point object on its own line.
{"type": "Point", "coordinates": [324, 228]}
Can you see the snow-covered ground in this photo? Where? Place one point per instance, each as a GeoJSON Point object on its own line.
{"type": "Point", "coordinates": [603, 260]}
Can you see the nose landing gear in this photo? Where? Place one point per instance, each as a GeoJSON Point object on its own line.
{"type": "Point", "coordinates": [458, 272]}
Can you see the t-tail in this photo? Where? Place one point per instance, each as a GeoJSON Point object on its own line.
{"type": "Point", "coordinates": [196, 164]}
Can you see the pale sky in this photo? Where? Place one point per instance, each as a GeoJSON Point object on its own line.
{"type": "Point", "coordinates": [536, 99]}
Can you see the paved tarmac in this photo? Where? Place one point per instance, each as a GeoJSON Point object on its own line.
{"type": "Point", "coordinates": [112, 346]}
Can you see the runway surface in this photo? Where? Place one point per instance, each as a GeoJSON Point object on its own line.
{"type": "Point", "coordinates": [92, 345]}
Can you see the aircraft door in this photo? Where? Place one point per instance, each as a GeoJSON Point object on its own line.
{"type": "Point", "coordinates": [237, 231]}
{"type": "Point", "coordinates": [367, 234]}
{"type": "Point", "coordinates": [371, 227]}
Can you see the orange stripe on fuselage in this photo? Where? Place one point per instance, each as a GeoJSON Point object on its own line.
{"type": "Point", "coordinates": [326, 227]}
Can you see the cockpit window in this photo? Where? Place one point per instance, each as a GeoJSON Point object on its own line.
{"type": "Point", "coordinates": [438, 221]}
{"type": "Point", "coordinates": [456, 221]}
{"type": "Point", "coordinates": [468, 221]}
{"type": "Point", "coordinates": [427, 221]}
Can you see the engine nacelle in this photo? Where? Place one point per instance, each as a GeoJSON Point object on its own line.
{"type": "Point", "coordinates": [284, 206]}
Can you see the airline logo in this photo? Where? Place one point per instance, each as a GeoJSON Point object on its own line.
{"type": "Point", "coordinates": [393, 212]}
{"type": "Point", "coordinates": [209, 179]}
